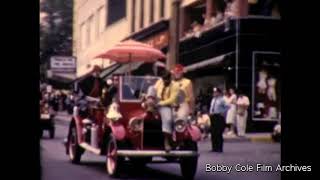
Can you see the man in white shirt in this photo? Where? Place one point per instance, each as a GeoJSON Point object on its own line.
{"type": "Point", "coordinates": [242, 113]}
{"type": "Point", "coordinates": [217, 111]}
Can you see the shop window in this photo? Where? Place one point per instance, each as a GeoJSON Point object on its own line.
{"type": "Point", "coordinates": [266, 99]}
{"type": "Point", "coordinates": [116, 10]}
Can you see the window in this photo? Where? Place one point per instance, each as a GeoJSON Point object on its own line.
{"type": "Point", "coordinates": [92, 29]}
{"type": "Point", "coordinates": [116, 10]}
{"type": "Point", "coordinates": [82, 36]}
{"type": "Point", "coordinates": [141, 13]}
{"type": "Point", "coordinates": [132, 88]}
{"type": "Point", "coordinates": [87, 33]}
{"type": "Point", "coordinates": [133, 15]}
{"type": "Point", "coordinates": [97, 27]}
{"type": "Point", "coordinates": [151, 11]}
{"type": "Point", "coordinates": [161, 8]}
{"type": "Point", "coordinates": [102, 19]}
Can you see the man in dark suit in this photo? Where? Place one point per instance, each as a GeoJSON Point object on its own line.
{"type": "Point", "coordinates": [92, 85]}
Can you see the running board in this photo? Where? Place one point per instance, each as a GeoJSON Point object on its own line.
{"type": "Point", "coordinates": [146, 153]}
{"type": "Point", "coordinates": [88, 147]}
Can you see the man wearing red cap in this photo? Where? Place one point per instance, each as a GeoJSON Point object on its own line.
{"type": "Point", "coordinates": [186, 96]}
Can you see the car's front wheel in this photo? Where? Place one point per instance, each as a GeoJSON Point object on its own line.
{"type": "Point", "coordinates": [189, 165]}
{"type": "Point", "coordinates": [75, 151]}
{"type": "Point", "coordinates": [113, 162]}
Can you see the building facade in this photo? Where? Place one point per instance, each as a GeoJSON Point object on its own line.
{"type": "Point", "coordinates": [100, 24]}
{"type": "Point", "coordinates": [230, 52]}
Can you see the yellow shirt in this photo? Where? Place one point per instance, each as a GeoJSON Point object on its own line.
{"type": "Point", "coordinates": [186, 86]}
{"type": "Point", "coordinates": [170, 95]}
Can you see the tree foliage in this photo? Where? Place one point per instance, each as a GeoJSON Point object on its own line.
{"type": "Point", "coordinates": [55, 29]}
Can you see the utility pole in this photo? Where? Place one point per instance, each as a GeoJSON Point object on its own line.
{"type": "Point", "coordinates": [174, 34]}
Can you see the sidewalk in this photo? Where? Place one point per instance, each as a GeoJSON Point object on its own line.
{"type": "Point", "coordinates": [253, 137]}
{"type": "Point", "coordinates": [64, 118]}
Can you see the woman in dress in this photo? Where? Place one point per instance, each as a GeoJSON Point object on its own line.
{"type": "Point", "coordinates": [231, 100]}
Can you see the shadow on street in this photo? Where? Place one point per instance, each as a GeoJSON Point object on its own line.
{"type": "Point", "coordinates": [130, 172]}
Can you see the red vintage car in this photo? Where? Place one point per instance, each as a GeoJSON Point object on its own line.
{"type": "Point", "coordinates": [127, 131]}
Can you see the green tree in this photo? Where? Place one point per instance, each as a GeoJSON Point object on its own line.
{"type": "Point", "coordinates": [55, 29]}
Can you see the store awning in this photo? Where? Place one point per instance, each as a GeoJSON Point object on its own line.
{"type": "Point", "coordinates": [212, 61]}
{"type": "Point", "coordinates": [109, 70]}
{"type": "Point", "coordinates": [124, 68]}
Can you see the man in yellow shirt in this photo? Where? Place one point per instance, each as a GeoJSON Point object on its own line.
{"type": "Point", "coordinates": [167, 94]}
{"type": "Point", "coordinates": [186, 100]}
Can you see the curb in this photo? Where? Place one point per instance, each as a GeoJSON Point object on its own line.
{"type": "Point", "coordinates": [265, 138]}
{"type": "Point", "coordinates": [261, 139]}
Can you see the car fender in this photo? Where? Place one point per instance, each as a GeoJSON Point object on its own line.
{"type": "Point", "coordinates": [194, 132]}
{"type": "Point", "coordinates": [118, 131]}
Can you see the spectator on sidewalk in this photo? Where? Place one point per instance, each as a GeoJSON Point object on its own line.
{"type": "Point", "coordinates": [242, 113]}
{"type": "Point", "coordinates": [231, 100]}
{"type": "Point", "coordinates": [203, 122]}
{"type": "Point", "coordinates": [217, 111]}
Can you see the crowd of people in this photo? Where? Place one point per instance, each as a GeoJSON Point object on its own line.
{"type": "Point", "coordinates": [225, 10]}
{"type": "Point", "coordinates": [58, 100]}
{"type": "Point", "coordinates": [233, 109]}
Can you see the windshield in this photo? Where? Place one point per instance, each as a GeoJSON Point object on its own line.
{"type": "Point", "coordinates": [134, 87]}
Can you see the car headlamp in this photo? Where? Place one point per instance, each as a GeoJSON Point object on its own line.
{"type": "Point", "coordinates": [135, 124]}
{"type": "Point", "coordinates": [180, 126]}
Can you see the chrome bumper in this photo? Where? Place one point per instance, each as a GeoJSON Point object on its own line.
{"type": "Point", "coordinates": [148, 153]}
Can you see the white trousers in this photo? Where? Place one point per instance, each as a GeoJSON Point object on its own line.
{"type": "Point", "coordinates": [183, 111]}
{"type": "Point", "coordinates": [242, 123]}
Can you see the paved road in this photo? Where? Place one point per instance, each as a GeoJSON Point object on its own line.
{"type": "Point", "coordinates": [55, 164]}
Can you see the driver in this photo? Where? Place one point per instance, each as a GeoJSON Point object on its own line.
{"type": "Point", "coordinates": [109, 93]}
{"type": "Point", "coordinates": [167, 93]}
{"type": "Point", "coordinates": [90, 86]}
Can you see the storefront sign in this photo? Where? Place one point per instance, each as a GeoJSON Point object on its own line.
{"type": "Point", "coordinates": [158, 41]}
{"type": "Point", "coordinates": [63, 64]}
{"type": "Point", "coordinates": [266, 98]}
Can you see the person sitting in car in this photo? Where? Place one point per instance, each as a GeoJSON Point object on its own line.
{"type": "Point", "coordinates": [92, 85]}
{"type": "Point", "coordinates": [167, 92]}
{"type": "Point", "coordinates": [108, 93]}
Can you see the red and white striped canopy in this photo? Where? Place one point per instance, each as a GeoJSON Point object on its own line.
{"type": "Point", "coordinates": [132, 51]}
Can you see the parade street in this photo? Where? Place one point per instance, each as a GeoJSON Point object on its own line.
{"type": "Point", "coordinates": [56, 166]}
